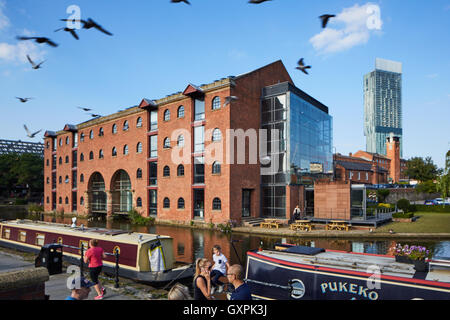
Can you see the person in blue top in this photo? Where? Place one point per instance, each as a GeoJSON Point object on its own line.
{"type": "Point", "coordinates": [80, 287]}
{"type": "Point", "coordinates": [235, 276]}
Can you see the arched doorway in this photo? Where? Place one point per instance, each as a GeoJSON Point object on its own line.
{"type": "Point", "coordinates": [97, 194]}
{"type": "Point", "coordinates": [122, 198]}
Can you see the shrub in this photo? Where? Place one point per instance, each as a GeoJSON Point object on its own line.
{"type": "Point", "coordinates": [138, 219]}
{"type": "Point", "coordinates": [403, 204]}
{"type": "Point", "coordinates": [437, 209]}
{"type": "Point", "coordinates": [382, 194]}
{"type": "Point", "coordinates": [34, 208]}
{"type": "Point", "coordinates": [400, 215]}
{"type": "Point", "coordinates": [20, 202]}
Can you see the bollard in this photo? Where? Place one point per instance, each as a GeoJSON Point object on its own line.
{"type": "Point", "coordinates": [116, 285]}
{"type": "Point", "coordinates": [81, 260]}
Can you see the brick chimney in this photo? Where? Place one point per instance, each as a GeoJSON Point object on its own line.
{"type": "Point", "coordinates": [393, 153]}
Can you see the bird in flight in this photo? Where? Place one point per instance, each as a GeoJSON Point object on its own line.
{"type": "Point", "coordinates": [90, 24]}
{"type": "Point", "coordinates": [23, 100]}
{"type": "Point", "coordinates": [95, 115]}
{"type": "Point", "coordinates": [39, 40]}
{"type": "Point", "coordinates": [302, 67]}
{"type": "Point", "coordinates": [178, 1]}
{"type": "Point", "coordinates": [325, 18]}
{"type": "Point", "coordinates": [85, 109]}
{"type": "Point", "coordinates": [34, 65]}
{"type": "Point", "coordinates": [72, 32]}
{"type": "Point", "coordinates": [257, 1]}
{"type": "Point", "coordinates": [29, 134]}
{"type": "Point", "coordinates": [229, 99]}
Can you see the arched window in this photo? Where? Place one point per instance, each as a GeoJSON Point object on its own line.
{"type": "Point", "coordinates": [138, 202]}
{"type": "Point", "coordinates": [139, 147]}
{"type": "Point", "coordinates": [216, 103]}
{"type": "Point", "coordinates": [166, 143]}
{"type": "Point", "coordinates": [91, 134]}
{"type": "Point", "coordinates": [60, 160]}
{"type": "Point", "coordinates": [82, 137]}
{"type": "Point", "coordinates": [101, 132]}
{"type": "Point", "coordinates": [82, 178]}
{"type": "Point", "coordinates": [217, 204]}
{"type": "Point", "coordinates": [180, 141]}
{"type": "Point", "coordinates": [81, 201]}
{"type": "Point", "coordinates": [67, 140]}
{"type": "Point", "coordinates": [166, 203]}
{"type": "Point", "coordinates": [180, 203]}
{"type": "Point", "coordinates": [60, 179]}
{"type": "Point", "coordinates": [125, 149]}
{"type": "Point", "coordinates": [91, 155]}
{"type": "Point", "coordinates": [216, 135]}
{"type": "Point", "coordinates": [166, 171]}
{"type": "Point", "coordinates": [67, 200]}
{"type": "Point", "coordinates": [139, 122]}
{"type": "Point", "coordinates": [100, 154]}
{"type": "Point", "coordinates": [181, 112]}
{"type": "Point", "coordinates": [66, 180]}
{"type": "Point", "coordinates": [48, 180]}
{"type": "Point", "coordinates": [180, 170]}
{"type": "Point", "coordinates": [60, 200]}
{"type": "Point", "coordinates": [114, 151]}
{"type": "Point", "coordinates": [48, 162]}
{"type": "Point", "coordinates": [125, 126]}
{"type": "Point", "coordinates": [139, 173]}
{"type": "Point", "coordinates": [60, 142]}
{"type": "Point", "coordinates": [47, 144]}
{"type": "Point", "coordinates": [48, 200]}
{"type": "Point", "coordinates": [114, 129]}
{"type": "Point", "coordinates": [81, 157]}
{"type": "Point", "coordinates": [67, 159]}
{"type": "Point", "coordinates": [216, 168]}
{"type": "Point", "coordinates": [167, 115]}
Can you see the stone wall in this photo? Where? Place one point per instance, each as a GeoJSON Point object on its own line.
{"type": "Point", "coordinates": [27, 284]}
{"type": "Point", "coordinates": [409, 194]}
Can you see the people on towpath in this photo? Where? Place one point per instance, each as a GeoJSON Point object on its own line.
{"type": "Point", "coordinates": [95, 255]}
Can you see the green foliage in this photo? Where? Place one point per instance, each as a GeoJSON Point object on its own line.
{"type": "Point", "coordinates": [192, 223]}
{"type": "Point", "coordinates": [422, 169]}
{"type": "Point", "coordinates": [382, 194]}
{"type": "Point", "coordinates": [434, 209]}
{"type": "Point", "coordinates": [426, 187]}
{"type": "Point", "coordinates": [400, 215]}
{"type": "Point", "coordinates": [443, 185]}
{"type": "Point", "coordinates": [137, 219]}
{"type": "Point", "coordinates": [20, 202]}
{"type": "Point", "coordinates": [404, 205]}
{"type": "Point", "coordinates": [34, 208]}
{"type": "Point", "coordinates": [225, 228]}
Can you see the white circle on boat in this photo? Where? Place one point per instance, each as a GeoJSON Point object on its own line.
{"type": "Point", "coordinates": [297, 288]}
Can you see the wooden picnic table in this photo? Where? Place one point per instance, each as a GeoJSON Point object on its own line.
{"type": "Point", "coordinates": [337, 225]}
{"type": "Point", "coordinates": [270, 223]}
{"type": "Point", "coordinates": [301, 225]}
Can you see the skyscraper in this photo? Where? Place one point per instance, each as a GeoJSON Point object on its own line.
{"type": "Point", "coordinates": [383, 105]}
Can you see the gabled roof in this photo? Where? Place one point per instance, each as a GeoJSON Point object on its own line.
{"type": "Point", "coordinates": [192, 89]}
{"type": "Point", "coordinates": [70, 127]}
{"type": "Point", "coordinates": [147, 103]}
{"type": "Point", "coordinates": [48, 134]}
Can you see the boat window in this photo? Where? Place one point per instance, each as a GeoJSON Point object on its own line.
{"type": "Point", "coordinates": [40, 239]}
{"type": "Point", "coordinates": [60, 240]}
{"type": "Point", "coordinates": [22, 236]}
{"type": "Point", "coordinates": [116, 248]}
{"type": "Point", "coordinates": [85, 244]}
{"type": "Point", "coordinates": [6, 233]}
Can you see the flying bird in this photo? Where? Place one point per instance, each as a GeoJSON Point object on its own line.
{"type": "Point", "coordinates": [34, 65]}
{"type": "Point", "coordinates": [325, 18]}
{"type": "Point", "coordinates": [85, 109]}
{"type": "Point", "coordinates": [90, 24]}
{"type": "Point", "coordinates": [39, 40]}
{"type": "Point", "coordinates": [72, 32]}
{"type": "Point", "coordinates": [257, 1]}
{"type": "Point", "coordinates": [29, 134]}
{"type": "Point", "coordinates": [178, 1]}
{"type": "Point", "coordinates": [302, 67]}
{"type": "Point", "coordinates": [229, 99]}
{"type": "Point", "coordinates": [95, 115]}
{"type": "Point", "coordinates": [23, 100]}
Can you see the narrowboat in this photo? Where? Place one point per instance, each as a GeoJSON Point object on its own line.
{"type": "Point", "coordinates": [290, 272]}
{"type": "Point", "coordinates": [143, 257]}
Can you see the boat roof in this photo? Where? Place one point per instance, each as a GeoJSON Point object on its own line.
{"type": "Point", "coordinates": [97, 233]}
{"type": "Point", "coordinates": [357, 262]}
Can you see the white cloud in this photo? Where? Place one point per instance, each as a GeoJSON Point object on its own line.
{"type": "Point", "coordinates": [4, 21]}
{"type": "Point", "coordinates": [359, 22]}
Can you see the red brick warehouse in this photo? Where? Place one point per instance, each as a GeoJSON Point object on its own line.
{"type": "Point", "coordinates": [170, 158]}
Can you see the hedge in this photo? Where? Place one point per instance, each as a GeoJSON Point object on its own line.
{"type": "Point", "coordinates": [403, 215]}
{"type": "Point", "coordinates": [435, 208]}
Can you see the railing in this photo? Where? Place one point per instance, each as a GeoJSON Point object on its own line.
{"type": "Point", "coordinates": [116, 255]}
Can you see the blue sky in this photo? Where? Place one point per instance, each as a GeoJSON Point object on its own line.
{"type": "Point", "coordinates": [159, 47]}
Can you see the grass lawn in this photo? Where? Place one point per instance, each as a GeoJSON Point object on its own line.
{"type": "Point", "coordinates": [427, 222]}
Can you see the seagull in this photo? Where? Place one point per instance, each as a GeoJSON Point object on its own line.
{"type": "Point", "coordinates": [85, 109]}
{"type": "Point", "coordinates": [23, 100]}
{"type": "Point", "coordinates": [302, 67]}
{"type": "Point", "coordinates": [34, 65]}
{"type": "Point", "coordinates": [39, 40]}
{"type": "Point", "coordinates": [229, 99]}
{"type": "Point", "coordinates": [95, 115]}
{"type": "Point", "coordinates": [325, 18]}
{"type": "Point", "coordinates": [29, 134]}
{"type": "Point", "coordinates": [178, 1]}
{"type": "Point", "coordinates": [90, 24]}
{"type": "Point", "coordinates": [257, 1]}
{"type": "Point", "coordinates": [72, 32]}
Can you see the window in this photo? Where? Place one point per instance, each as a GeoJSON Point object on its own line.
{"type": "Point", "coordinates": [180, 203]}
{"type": "Point", "coordinates": [82, 137]}
{"type": "Point", "coordinates": [81, 157]}
{"type": "Point", "coordinates": [84, 244]}
{"type": "Point", "coordinates": [60, 179]}
{"type": "Point", "coordinates": [22, 236]}
{"type": "Point", "coordinates": [91, 155]}
{"type": "Point", "coordinates": [216, 135]}
{"type": "Point", "coordinates": [153, 120]}
{"type": "Point", "coordinates": [139, 202]}
{"type": "Point", "coordinates": [153, 146]}
{"type": "Point", "coordinates": [359, 175]}
{"type": "Point", "coordinates": [125, 149]}
{"type": "Point", "coordinates": [60, 160]}
{"type": "Point", "coordinates": [48, 200]}
{"type": "Point", "coordinates": [67, 159]}
{"type": "Point", "coordinates": [114, 129]}
{"type": "Point", "coordinates": [180, 170]}
{"type": "Point", "coordinates": [167, 115]}
{"type": "Point", "coordinates": [139, 147]}
{"type": "Point", "coordinates": [199, 106]}
{"type": "Point", "coordinates": [40, 239]}
{"type": "Point", "coordinates": [81, 201]}
{"type": "Point", "coordinates": [139, 122]}
{"type": "Point", "coordinates": [166, 171]}
{"type": "Point", "coordinates": [199, 139]}
{"type": "Point", "coordinates": [66, 180]}
{"type": "Point", "coordinates": [217, 204]}
{"type": "Point", "coordinates": [47, 145]}
{"type": "Point", "coordinates": [101, 133]}
{"type": "Point", "coordinates": [91, 134]}
{"type": "Point", "coordinates": [367, 176]}
{"type": "Point", "coordinates": [48, 180]}
{"type": "Point", "coordinates": [199, 170]}
{"type": "Point", "coordinates": [125, 126]}
{"type": "Point", "coordinates": [60, 142]}
{"type": "Point", "coordinates": [153, 173]}
{"type": "Point", "coordinates": [67, 140]}
{"type": "Point", "coordinates": [180, 141]}
{"type": "Point", "coordinates": [216, 103]}
{"type": "Point", "coordinates": [216, 168]}
{"type": "Point", "coordinates": [181, 112]}
{"type": "Point", "coordinates": [60, 240]}
{"type": "Point", "coordinates": [48, 162]}
{"type": "Point", "coordinates": [60, 200]}
{"type": "Point", "coordinates": [166, 143]}
{"type": "Point", "coordinates": [6, 233]}
{"type": "Point", "coordinates": [100, 154]}
{"type": "Point", "coordinates": [116, 249]}
{"type": "Point", "coordinates": [114, 152]}
{"type": "Point", "coordinates": [66, 200]}
{"type": "Point", "coordinates": [82, 178]}
{"type": "Point", "coordinates": [139, 173]}
{"type": "Point", "coordinates": [166, 203]}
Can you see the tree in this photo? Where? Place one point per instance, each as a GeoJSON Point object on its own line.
{"type": "Point", "coordinates": [422, 170]}
{"type": "Point", "coordinates": [382, 194]}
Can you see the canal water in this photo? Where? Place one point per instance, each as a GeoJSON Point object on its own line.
{"type": "Point", "coordinates": [190, 243]}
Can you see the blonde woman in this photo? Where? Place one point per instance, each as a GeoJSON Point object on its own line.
{"type": "Point", "coordinates": [179, 292]}
{"type": "Point", "coordinates": [202, 279]}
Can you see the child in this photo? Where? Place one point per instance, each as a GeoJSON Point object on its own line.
{"type": "Point", "coordinates": [219, 269]}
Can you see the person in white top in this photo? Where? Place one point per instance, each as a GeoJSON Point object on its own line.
{"type": "Point", "coordinates": [219, 269]}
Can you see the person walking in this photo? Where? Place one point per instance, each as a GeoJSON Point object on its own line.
{"type": "Point", "coordinates": [236, 278]}
{"type": "Point", "coordinates": [95, 255]}
{"type": "Point", "coordinates": [202, 279]}
{"type": "Point", "coordinates": [219, 269]}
